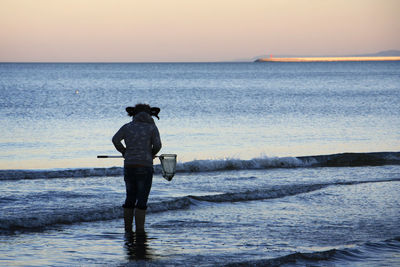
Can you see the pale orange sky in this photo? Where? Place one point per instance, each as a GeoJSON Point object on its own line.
{"type": "Point", "coordinates": [193, 30]}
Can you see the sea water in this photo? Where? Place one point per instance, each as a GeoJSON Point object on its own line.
{"type": "Point", "coordinates": [252, 187]}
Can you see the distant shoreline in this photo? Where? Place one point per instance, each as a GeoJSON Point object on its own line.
{"type": "Point", "coordinates": [327, 59]}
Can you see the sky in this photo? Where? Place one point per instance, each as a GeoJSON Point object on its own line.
{"type": "Point", "coordinates": [193, 30]}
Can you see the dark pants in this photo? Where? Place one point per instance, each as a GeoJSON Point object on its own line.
{"type": "Point", "coordinates": [138, 182]}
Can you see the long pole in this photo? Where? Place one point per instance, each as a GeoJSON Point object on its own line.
{"type": "Point", "coordinates": [108, 157]}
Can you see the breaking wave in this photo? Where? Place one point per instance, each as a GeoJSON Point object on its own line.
{"type": "Point", "coordinates": [372, 251]}
{"type": "Point", "coordinates": [334, 160]}
{"type": "Point", "coordinates": [40, 220]}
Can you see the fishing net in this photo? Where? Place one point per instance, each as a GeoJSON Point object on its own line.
{"type": "Point", "coordinates": [168, 165]}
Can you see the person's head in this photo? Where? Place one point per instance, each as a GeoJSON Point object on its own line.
{"type": "Point", "coordinates": [152, 111]}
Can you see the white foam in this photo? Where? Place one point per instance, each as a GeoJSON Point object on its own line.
{"type": "Point", "coordinates": [238, 164]}
{"type": "Point", "coordinates": [55, 216]}
{"type": "Point", "coordinates": [346, 159]}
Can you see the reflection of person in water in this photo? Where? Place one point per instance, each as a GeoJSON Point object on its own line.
{"type": "Point", "coordinates": [137, 248]}
{"type": "Point", "coordinates": [143, 142]}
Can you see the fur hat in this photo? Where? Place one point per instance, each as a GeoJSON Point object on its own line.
{"type": "Point", "coordinates": [152, 111]}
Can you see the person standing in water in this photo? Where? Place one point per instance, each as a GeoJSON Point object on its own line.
{"type": "Point", "coordinates": [142, 143]}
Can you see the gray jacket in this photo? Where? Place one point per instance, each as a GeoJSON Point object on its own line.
{"type": "Point", "coordinates": [141, 138]}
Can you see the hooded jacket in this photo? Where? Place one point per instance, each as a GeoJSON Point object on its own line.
{"type": "Point", "coordinates": [142, 140]}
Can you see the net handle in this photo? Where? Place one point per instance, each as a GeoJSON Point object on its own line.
{"type": "Point", "coordinates": [115, 156]}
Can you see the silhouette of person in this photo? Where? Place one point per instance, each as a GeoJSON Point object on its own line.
{"type": "Point", "coordinates": [142, 143]}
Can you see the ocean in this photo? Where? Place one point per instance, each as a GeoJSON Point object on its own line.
{"type": "Point", "coordinates": [279, 164]}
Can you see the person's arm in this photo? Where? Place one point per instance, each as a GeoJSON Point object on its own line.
{"type": "Point", "coordinates": [117, 138]}
{"type": "Point", "coordinates": [156, 142]}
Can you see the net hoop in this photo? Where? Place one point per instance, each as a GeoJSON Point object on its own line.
{"type": "Point", "coordinates": [168, 165]}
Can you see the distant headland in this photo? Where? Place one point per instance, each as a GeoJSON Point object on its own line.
{"type": "Point", "coordinates": [392, 55]}
{"type": "Point", "coordinates": [326, 59]}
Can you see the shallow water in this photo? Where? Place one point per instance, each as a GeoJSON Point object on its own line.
{"type": "Point", "coordinates": [212, 218]}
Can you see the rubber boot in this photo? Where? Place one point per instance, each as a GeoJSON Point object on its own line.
{"type": "Point", "coordinates": [128, 219]}
{"type": "Point", "coordinates": [139, 220]}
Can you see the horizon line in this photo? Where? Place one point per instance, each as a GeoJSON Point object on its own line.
{"type": "Point", "coordinates": [119, 62]}
{"type": "Point", "coordinates": [238, 60]}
